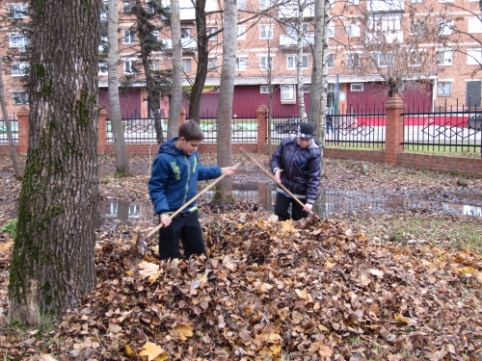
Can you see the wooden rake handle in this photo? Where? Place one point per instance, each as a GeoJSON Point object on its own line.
{"type": "Point", "coordinates": [272, 177]}
{"type": "Point", "coordinates": [179, 210]}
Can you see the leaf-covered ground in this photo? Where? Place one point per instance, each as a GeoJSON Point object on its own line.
{"type": "Point", "coordinates": [355, 287]}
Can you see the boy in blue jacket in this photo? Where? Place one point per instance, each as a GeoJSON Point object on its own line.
{"type": "Point", "coordinates": [173, 181]}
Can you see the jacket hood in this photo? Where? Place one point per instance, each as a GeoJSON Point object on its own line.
{"type": "Point", "coordinates": [170, 147]}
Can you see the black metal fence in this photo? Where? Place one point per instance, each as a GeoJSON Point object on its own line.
{"type": "Point", "coordinates": [444, 131]}
{"type": "Point", "coordinates": [3, 131]}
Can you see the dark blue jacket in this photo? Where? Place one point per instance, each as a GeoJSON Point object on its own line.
{"type": "Point", "coordinates": [301, 168]}
{"type": "Point", "coordinates": [174, 178]}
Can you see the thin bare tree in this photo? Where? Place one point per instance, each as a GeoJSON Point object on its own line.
{"type": "Point", "coordinates": [122, 160]}
{"type": "Point", "coordinates": [176, 90]}
{"type": "Point", "coordinates": [225, 105]}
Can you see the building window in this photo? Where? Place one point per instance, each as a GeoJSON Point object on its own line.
{"type": "Point", "coordinates": [19, 97]}
{"type": "Point", "coordinates": [127, 6]}
{"type": "Point", "coordinates": [266, 31]}
{"type": "Point", "coordinates": [20, 68]}
{"type": "Point", "coordinates": [292, 62]}
{"type": "Point", "coordinates": [129, 36]}
{"type": "Point", "coordinates": [103, 11]}
{"type": "Point", "coordinates": [383, 60]}
{"type": "Point", "coordinates": [17, 11]}
{"type": "Point", "coordinates": [151, 7]}
{"type": "Point", "coordinates": [352, 29]}
{"type": "Point", "coordinates": [444, 57]}
{"type": "Point", "coordinates": [475, 25]}
{"type": "Point", "coordinates": [19, 41]}
{"type": "Point", "coordinates": [212, 64]}
{"type": "Point", "coordinates": [264, 89]}
{"type": "Point", "coordinates": [357, 87]}
{"type": "Point", "coordinates": [103, 69]}
{"type": "Point", "coordinates": [264, 4]}
{"type": "Point", "coordinates": [446, 26]}
{"type": "Point", "coordinates": [186, 33]}
{"type": "Point", "coordinates": [241, 32]}
{"type": "Point", "coordinates": [415, 58]}
{"type": "Point", "coordinates": [130, 67]}
{"type": "Point", "coordinates": [306, 88]}
{"type": "Point", "coordinates": [241, 63]}
{"type": "Point", "coordinates": [288, 93]}
{"type": "Point", "coordinates": [474, 57]}
{"type": "Point", "coordinates": [186, 65]}
{"type": "Point", "coordinates": [103, 44]}
{"type": "Point", "coordinates": [154, 65]}
{"type": "Point", "coordinates": [265, 62]}
{"type": "Point", "coordinates": [444, 88]}
{"type": "Point", "coordinates": [330, 60]}
{"type": "Point", "coordinates": [212, 33]}
{"type": "Point", "coordinates": [352, 60]}
{"type": "Point", "coordinates": [331, 30]}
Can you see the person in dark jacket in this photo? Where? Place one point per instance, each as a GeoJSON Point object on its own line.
{"type": "Point", "coordinates": [296, 164]}
{"type": "Point", "coordinates": [175, 172]}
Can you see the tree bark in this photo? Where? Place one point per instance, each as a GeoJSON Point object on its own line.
{"type": "Point", "coordinates": [317, 93]}
{"type": "Point", "coordinates": [226, 94]}
{"type": "Point", "coordinates": [53, 256]}
{"type": "Point", "coordinates": [121, 158]}
{"type": "Point", "coordinates": [176, 95]}
{"type": "Point", "coordinates": [202, 65]}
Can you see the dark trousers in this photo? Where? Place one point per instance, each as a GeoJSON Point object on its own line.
{"type": "Point", "coordinates": [185, 227]}
{"type": "Point", "coordinates": [282, 206]}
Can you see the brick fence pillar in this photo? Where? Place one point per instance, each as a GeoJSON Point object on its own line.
{"type": "Point", "coordinates": [23, 130]}
{"type": "Point", "coordinates": [394, 129]}
{"type": "Point", "coordinates": [102, 132]}
{"type": "Point", "coordinates": [262, 117]}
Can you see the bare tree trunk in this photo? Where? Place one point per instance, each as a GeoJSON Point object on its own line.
{"type": "Point", "coordinates": [13, 152]}
{"type": "Point", "coordinates": [202, 64]}
{"type": "Point", "coordinates": [53, 256]}
{"type": "Point", "coordinates": [122, 160]}
{"type": "Point", "coordinates": [176, 97]}
{"type": "Point", "coordinates": [318, 93]}
{"type": "Point", "coordinates": [299, 60]}
{"type": "Point", "coordinates": [226, 94]}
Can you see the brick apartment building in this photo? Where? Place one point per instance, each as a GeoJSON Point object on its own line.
{"type": "Point", "coordinates": [269, 42]}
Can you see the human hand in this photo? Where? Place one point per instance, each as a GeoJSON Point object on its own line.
{"type": "Point", "coordinates": [166, 220]}
{"type": "Point", "coordinates": [228, 170]}
{"type": "Point", "coordinates": [308, 208]}
{"type": "Point", "coordinates": [277, 175]}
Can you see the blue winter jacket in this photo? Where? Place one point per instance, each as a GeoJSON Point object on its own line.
{"type": "Point", "coordinates": [174, 178]}
{"type": "Point", "coordinates": [301, 168]}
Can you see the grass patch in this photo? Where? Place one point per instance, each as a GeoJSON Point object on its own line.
{"type": "Point", "coordinates": [444, 231]}
{"type": "Point", "coordinates": [10, 228]}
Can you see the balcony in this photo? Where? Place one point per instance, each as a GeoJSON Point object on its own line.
{"type": "Point", "coordinates": [291, 11]}
{"type": "Point", "coordinates": [290, 41]}
{"type": "Point", "coordinates": [187, 44]}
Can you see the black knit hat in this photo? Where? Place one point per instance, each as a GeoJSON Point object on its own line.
{"type": "Point", "coordinates": [305, 131]}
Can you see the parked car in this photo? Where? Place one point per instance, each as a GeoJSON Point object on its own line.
{"type": "Point", "coordinates": [475, 122]}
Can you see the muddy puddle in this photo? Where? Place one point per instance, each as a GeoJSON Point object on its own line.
{"type": "Point", "coordinates": [331, 201]}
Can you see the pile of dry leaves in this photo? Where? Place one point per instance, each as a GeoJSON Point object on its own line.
{"type": "Point", "coordinates": [268, 290]}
